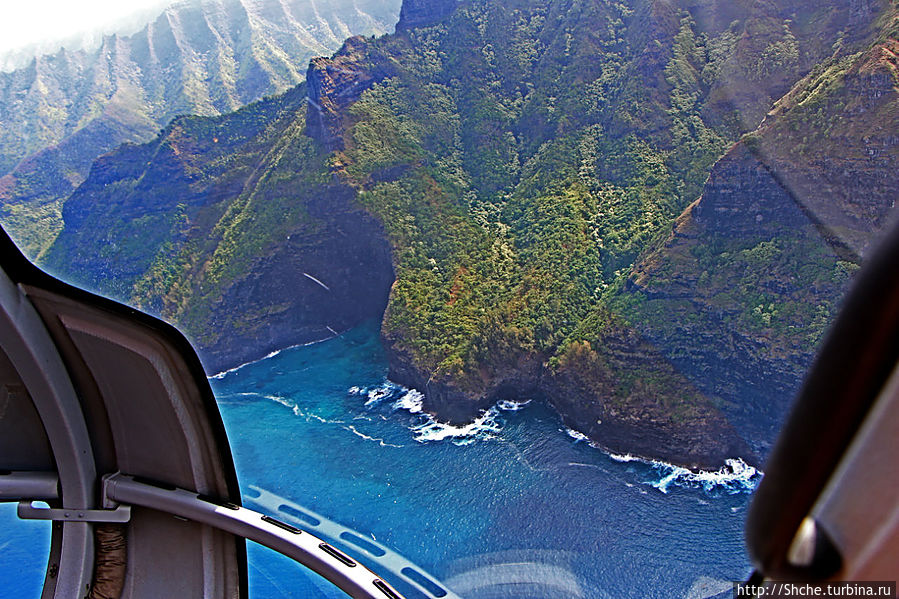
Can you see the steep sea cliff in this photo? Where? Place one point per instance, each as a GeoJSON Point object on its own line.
{"type": "Point", "coordinates": [592, 205]}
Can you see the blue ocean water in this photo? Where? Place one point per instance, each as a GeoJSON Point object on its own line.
{"type": "Point", "coordinates": [23, 554]}
{"type": "Point", "coordinates": [514, 505]}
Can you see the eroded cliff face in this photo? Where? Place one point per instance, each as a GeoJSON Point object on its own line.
{"type": "Point", "coordinates": [742, 290]}
{"type": "Point", "coordinates": [738, 296]}
{"type": "Point", "coordinates": [231, 228]}
{"type": "Point", "coordinates": [324, 277]}
{"type": "Point", "coordinates": [695, 358]}
{"type": "Point", "coordinates": [618, 389]}
{"type": "Point", "coordinates": [421, 13]}
{"type": "Point", "coordinates": [833, 142]}
{"type": "Point", "coordinates": [622, 392]}
{"type": "Point", "coordinates": [335, 83]}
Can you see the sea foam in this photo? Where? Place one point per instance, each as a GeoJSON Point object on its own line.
{"type": "Point", "coordinates": [412, 401]}
{"type": "Point", "coordinates": [220, 375]}
{"type": "Point", "coordinates": [577, 435]}
{"type": "Point", "coordinates": [508, 405]}
{"type": "Point", "coordinates": [482, 428]}
{"type": "Point", "coordinates": [362, 435]}
{"type": "Point", "coordinates": [736, 476]}
{"type": "Point", "coordinates": [428, 429]}
{"type": "Point", "coordinates": [388, 391]}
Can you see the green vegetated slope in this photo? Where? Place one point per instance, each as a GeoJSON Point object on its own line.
{"type": "Point", "coordinates": [198, 57]}
{"type": "Point", "coordinates": [230, 227]}
{"type": "Point", "coordinates": [542, 151]}
{"type": "Point", "coordinates": [743, 289]}
{"type": "Point", "coordinates": [530, 165]}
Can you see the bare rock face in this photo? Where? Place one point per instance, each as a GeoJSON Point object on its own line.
{"type": "Point", "coordinates": [318, 281]}
{"type": "Point", "coordinates": [618, 389]}
{"type": "Point", "coordinates": [833, 142]}
{"type": "Point", "coordinates": [445, 398]}
{"type": "Point", "coordinates": [729, 297]}
{"type": "Point", "coordinates": [335, 83]}
{"type": "Point", "coordinates": [626, 396]}
{"type": "Point", "coordinates": [421, 13]}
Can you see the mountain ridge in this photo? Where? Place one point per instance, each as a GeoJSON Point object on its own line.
{"type": "Point", "coordinates": [530, 177]}
{"type": "Point", "coordinates": [197, 57]}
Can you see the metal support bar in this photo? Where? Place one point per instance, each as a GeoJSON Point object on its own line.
{"type": "Point", "coordinates": [386, 559]}
{"type": "Point", "coordinates": [341, 570]}
{"type": "Point", "coordinates": [20, 486]}
{"type": "Point", "coordinates": [34, 355]}
{"type": "Point", "coordinates": [27, 511]}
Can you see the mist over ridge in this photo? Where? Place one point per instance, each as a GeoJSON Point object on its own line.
{"type": "Point", "coordinates": [62, 110]}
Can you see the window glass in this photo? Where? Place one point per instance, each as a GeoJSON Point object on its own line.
{"type": "Point", "coordinates": [24, 549]}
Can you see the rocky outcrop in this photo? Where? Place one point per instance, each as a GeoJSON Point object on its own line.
{"type": "Point", "coordinates": [446, 399]}
{"type": "Point", "coordinates": [626, 396]}
{"type": "Point", "coordinates": [619, 391]}
{"type": "Point", "coordinates": [421, 13]}
{"type": "Point", "coordinates": [336, 83]}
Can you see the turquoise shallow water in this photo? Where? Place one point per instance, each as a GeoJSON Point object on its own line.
{"type": "Point", "coordinates": [512, 506]}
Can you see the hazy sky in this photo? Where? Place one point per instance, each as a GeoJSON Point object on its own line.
{"type": "Point", "coordinates": [25, 22]}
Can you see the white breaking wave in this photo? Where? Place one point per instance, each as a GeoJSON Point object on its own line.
{"type": "Point", "coordinates": [376, 394]}
{"type": "Point", "coordinates": [405, 399]}
{"type": "Point", "coordinates": [380, 442]}
{"type": "Point", "coordinates": [577, 435]}
{"type": "Point", "coordinates": [412, 401]}
{"type": "Point", "coordinates": [507, 405]}
{"type": "Point", "coordinates": [736, 476]}
{"type": "Point", "coordinates": [224, 373]}
{"type": "Point", "coordinates": [481, 429]}
{"type": "Point", "coordinates": [625, 458]}
{"type": "Point", "coordinates": [429, 429]}
{"type": "Point", "coordinates": [432, 430]}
